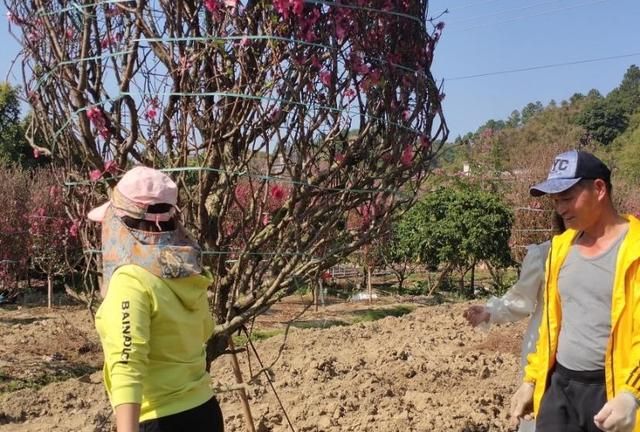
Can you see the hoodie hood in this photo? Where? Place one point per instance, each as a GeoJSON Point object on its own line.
{"type": "Point", "coordinates": [190, 290]}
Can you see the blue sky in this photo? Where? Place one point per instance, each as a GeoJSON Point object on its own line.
{"type": "Point", "coordinates": [493, 35]}
{"type": "Point", "coordinates": [483, 36]}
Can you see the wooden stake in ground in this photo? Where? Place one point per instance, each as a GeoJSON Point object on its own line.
{"type": "Point", "coordinates": [242, 392]}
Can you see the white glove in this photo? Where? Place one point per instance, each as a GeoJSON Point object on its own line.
{"type": "Point", "coordinates": [522, 404]}
{"type": "Point", "coordinates": [476, 315]}
{"type": "Point", "coordinates": [618, 415]}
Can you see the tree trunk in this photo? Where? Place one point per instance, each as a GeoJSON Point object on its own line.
{"type": "Point", "coordinates": [473, 277]}
{"type": "Point", "coordinates": [369, 287]}
{"type": "Point", "coordinates": [321, 292]}
{"type": "Point", "coordinates": [49, 290]}
{"type": "Point", "coordinates": [316, 294]}
{"type": "Point", "coordinates": [441, 277]}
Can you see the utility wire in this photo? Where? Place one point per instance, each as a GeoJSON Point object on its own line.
{"type": "Point", "coordinates": [501, 12]}
{"type": "Point", "coordinates": [470, 5]}
{"type": "Point", "coordinates": [532, 15]}
{"type": "Point", "coordinates": [547, 66]}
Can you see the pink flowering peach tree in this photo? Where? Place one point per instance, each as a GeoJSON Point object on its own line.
{"type": "Point", "coordinates": [53, 236]}
{"type": "Point", "coordinates": [277, 119]}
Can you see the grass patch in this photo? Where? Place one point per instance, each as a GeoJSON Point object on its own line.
{"type": "Point", "coordinates": [353, 318]}
{"type": "Point", "coordinates": [376, 314]}
{"type": "Point", "coordinates": [256, 335]}
{"type": "Point", "coordinates": [9, 383]}
{"type": "Point", "coordinates": [321, 324]}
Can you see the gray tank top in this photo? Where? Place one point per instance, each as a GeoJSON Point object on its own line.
{"type": "Point", "coordinates": [585, 285]}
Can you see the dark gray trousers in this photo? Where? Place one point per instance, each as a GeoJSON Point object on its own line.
{"type": "Point", "coordinates": [571, 401]}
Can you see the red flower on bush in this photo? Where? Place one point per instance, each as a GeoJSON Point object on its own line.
{"type": "Point", "coordinates": [151, 113]}
{"type": "Point", "coordinates": [113, 11]}
{"type": "Point", "coordinates": [349, 93]}
{"type": "Point", "coordinates": [407, 156]}
{"type": "Point", "coordinates": [95, 175]}
{"type": "Point", "coordinates": [111, 167]}
{"type": "Point", "coordinates": [283, 7]}
{"type": "Point", "coordinates": [107, 42]}
{"type": "Point", "coordinates": [325, 78]}
{"type": "Point", "coordinates": [425, 142]}
{"type": "Point", "coordinates": [212, 5]}
{"type": "Point", "coordinates": [315, 62]}
{"type": "Point", "coordinates": [277, 192]}
{"type": "Point", "coordinates": [97, 118]}
{"type": "Point", "coordinates": [73, 229]}
{"type": "Point", "coordinates": [13, 18]}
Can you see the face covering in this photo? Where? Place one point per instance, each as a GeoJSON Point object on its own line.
{"type": "Point", "coordinates": [168, 254]}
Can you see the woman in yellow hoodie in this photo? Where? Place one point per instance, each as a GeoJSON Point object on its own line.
{"type": "Point", "coordinates": [154, 320]}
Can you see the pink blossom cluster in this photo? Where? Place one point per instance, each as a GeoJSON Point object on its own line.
{"type": "Point", "coordinates": [51, 231]}
{"type": "Point", "coordinates": [307, 25]}
{"type": "Point", "coordinates": [110, 167]}
{"type": "Point", "coordinates": [248, 197]}
{"type": "Point", "coordinates": [152, 109]}
{"type": "Point", "coordinates": [99, 121]}
{"type": "Point", "coordinates": [215, 6]}
{"type": "Point", "coordinates": [286, 7]}
{"type": "Point", "coordinates": [110, 40]}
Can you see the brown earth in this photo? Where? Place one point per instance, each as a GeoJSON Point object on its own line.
{"type": "Point", "coordinates": [425, 371]}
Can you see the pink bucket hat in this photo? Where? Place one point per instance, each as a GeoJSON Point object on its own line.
{"type": "Point", "coordinates": [138, 189]}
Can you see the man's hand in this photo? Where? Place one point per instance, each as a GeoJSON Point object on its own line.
{"type": "Point", "coordinates": [618, 415]}
{"type": "Point", "coordinates": [522, 404]}
{"type": "Point", "coordinates": [476, 315]}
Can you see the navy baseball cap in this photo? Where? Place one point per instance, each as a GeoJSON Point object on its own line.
{"type": "Point", "coordinates": [568, 169]}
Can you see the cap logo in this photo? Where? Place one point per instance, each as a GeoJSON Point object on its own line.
{"type": "Point", "coordinates": [560, 165]}
{"type": "Point", "coordinates": [564, 166]}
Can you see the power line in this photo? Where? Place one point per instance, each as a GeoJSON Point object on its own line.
{"type": "Point", "coordinates": [532, 15]}
{"type": "Point", "coordinates": [547, 66]}
{"type": "Point", "coordinates": [531, 6]}
{"type": "Point", "coordinates": [470, 5]}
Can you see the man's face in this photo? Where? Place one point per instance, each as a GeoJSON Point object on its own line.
{"type": "Point", "coordinates": [579, 206]}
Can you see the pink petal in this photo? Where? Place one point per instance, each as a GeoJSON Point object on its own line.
{"type": "Point", "coordinates": [407, 156]}
{"type": "Point", "coordinates": [111, 167]}
{"type": "Point", "coordinates": [95, 175]}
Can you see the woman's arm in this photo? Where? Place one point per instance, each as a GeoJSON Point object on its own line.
{"type": "Point", "coordinates": [123, 322]}
{"type": "Point", "coordinates": [128, 417]}
{"type": "Point", "coordinates": [521, 299]}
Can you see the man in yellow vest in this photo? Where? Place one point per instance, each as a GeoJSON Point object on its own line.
{"type": "Point", "coordinates": [584, 375]}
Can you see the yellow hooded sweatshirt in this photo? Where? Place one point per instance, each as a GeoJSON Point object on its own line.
{"type": "Point", "coordinates": [153, 332]}
{"type": "Point", "coordinates": [622, 359]}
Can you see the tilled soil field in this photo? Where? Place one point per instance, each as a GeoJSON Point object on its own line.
{"type": "Point", "coordinates": [424, 371]}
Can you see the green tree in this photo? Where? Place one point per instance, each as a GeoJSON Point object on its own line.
{"type": "Point", "coordinates": [627, 94]}
{"type": "Point", "coordinates": [531, 110]}
{"type": "Point", "coordinates": [457, 227]}
{"type": "Point", "coordinates": [515, 119]}
{"type": "Point", "coordinates": [604, 120]}
{"type": "Point", "coordinates": [14, 147]}
{"type": "Point", "coordinates": [627, 151]}
{"type": "Point", "coordinates": [576, 97]}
